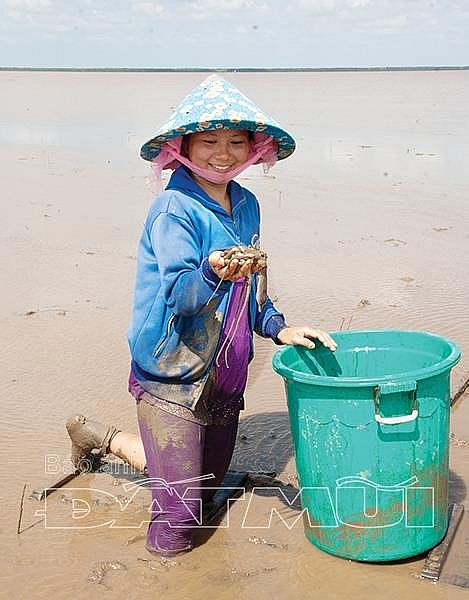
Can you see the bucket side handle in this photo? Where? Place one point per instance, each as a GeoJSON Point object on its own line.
{"type": "Point", "coordinates": [391, 388]}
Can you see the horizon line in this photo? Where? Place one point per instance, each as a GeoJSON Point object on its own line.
{"type": "Point", "coordinates": [237, 69]}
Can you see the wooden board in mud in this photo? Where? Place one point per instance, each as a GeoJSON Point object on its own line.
{"type": "Point", "coordinates": [456, 567]}
{"type": "Point", "coordinates": [449, 561]}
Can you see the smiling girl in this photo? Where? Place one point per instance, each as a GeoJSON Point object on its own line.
{"type": "Point", "coordinates": [194, 311]}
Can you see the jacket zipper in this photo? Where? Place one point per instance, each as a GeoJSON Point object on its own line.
{"type": "Point", "coordinates": [163, 341]}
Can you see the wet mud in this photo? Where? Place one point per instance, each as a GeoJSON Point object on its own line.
{"type": "Point", "coordinates": [365, 227]}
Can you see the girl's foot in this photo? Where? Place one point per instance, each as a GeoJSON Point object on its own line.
{"type": "Point", "coordinates": [90, 441]}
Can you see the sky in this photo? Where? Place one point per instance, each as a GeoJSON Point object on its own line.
{"type": "Point", "coordinates": [233, 33]}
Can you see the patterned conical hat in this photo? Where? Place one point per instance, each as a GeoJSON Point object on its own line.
{"type": "Point", "coordinates": [217, 104]}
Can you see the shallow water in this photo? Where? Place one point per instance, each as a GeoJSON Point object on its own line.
{"type": "Point", "coordinates": [366, 227]}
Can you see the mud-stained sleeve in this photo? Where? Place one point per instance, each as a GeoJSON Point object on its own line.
{"type": "Point", "coordinates": [186, 278]}
{"type": "Point", "coordinates": [269, 321]}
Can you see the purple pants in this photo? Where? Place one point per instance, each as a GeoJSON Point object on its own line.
{"type": "Point", "coordinates": [177, 450]}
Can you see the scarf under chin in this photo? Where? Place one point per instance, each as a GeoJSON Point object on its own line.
{"type": "Point", "coordinates": [263, 149]}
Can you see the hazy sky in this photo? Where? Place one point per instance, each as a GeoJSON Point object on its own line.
{"type": "Point", "coordinates": [233, 33]}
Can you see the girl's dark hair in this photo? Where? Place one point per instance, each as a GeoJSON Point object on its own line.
{"type": "Point", "coordinates": [185, 145]}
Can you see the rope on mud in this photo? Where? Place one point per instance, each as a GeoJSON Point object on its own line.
{"type": "Point", "coordinates": [20, 516]}
{"type": "Point", "coordinates": [458, 395]}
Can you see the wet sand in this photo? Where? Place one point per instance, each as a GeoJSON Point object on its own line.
{"type": "Point", "coordinates": [366, 227]}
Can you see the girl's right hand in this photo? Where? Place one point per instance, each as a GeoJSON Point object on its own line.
{"type": "Point", "coordinates": [230, 270]}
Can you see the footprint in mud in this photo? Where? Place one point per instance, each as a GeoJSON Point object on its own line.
{"type": "Point", "coordinates": [363, 302]}
{"type": "Point", "coordinates": [100, 570]}
{"type": "Point", "coordinates": [257, 540]}
{"type": "Point", "coordinates": [455, 441]}
{"type": "Point", "coordinates": [251, 573]}
{"type": "Point", "coordinates": [58, 311]}
{"type": "Point", "coordinates": [158, 565]}
{"type": "Point", "coordinates": [394, 242]}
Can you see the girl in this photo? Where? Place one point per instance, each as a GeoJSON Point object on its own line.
{"type": "Point", "coordinates": [195, 309]}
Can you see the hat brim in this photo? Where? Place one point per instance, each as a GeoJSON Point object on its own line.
{"type": "Point", "coordinates": [286, 144]}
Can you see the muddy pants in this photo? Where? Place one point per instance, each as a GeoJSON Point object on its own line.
{"type": "Point", "coordinates": [177, 450]}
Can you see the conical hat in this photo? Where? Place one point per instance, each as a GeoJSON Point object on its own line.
{"type": "Point", "coordinates": [217, 104]}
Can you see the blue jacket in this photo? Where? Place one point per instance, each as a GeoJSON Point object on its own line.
{"type": "Point", "coordinates": [179, 302]}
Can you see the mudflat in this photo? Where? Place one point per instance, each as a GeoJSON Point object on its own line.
{"type": "Point", "coordinates": [366, 227]}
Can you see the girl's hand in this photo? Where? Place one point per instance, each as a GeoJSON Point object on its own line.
{"type": "Point", "coordinates": [230, 270]}
{"type": "Point", "coordinates": [303, 336]}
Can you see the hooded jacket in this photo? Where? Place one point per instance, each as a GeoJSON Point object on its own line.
{"type": "Point", "coordinates": [179, 302]}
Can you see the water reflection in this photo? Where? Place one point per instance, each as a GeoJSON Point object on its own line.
{"type": "Point", "coordinates": [72, 135]}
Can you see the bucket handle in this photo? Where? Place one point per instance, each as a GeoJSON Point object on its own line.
{"type": "Point", "coordinates": [390, 388]}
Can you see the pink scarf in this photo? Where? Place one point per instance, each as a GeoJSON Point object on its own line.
{"type": "Point", "coordinates": [263, 149]}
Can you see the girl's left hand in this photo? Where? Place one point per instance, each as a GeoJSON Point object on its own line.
{"type": "Point", "coordinates": [303, 336]}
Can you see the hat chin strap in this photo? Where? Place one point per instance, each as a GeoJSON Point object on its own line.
{"type": "Point", "coordinates": [263, 149]}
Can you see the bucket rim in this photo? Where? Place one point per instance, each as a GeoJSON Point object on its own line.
{"type": "Point", "coordinates": [326, 380]}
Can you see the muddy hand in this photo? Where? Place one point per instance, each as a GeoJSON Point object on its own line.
{"type": "Point", "coordinates": [237, 261]}
{"type": "Point", "coordinates": [304, 336]}
{"type": "Point", "coordinates": [229, 270]}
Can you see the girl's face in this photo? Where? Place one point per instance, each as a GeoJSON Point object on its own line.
{"type": "Point", "coordinates": [220, 150]}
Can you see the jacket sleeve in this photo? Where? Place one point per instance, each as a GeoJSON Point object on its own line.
{"type": "Point", "coordinates": [188, 282]}
{"type": "Point", "coordinates": [269, 321]}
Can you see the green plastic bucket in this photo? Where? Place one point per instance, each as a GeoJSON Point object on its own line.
{"type": "Point", "coordinates": [370, 427]}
